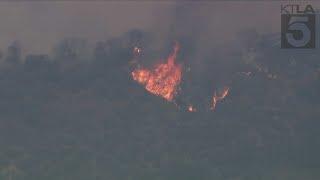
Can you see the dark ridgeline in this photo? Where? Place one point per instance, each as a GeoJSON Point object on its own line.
{"type": "Point", "coordinates": [71, 115]}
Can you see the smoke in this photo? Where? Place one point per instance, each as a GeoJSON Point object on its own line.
{"type": "Point", "coordinates": [214, 36]}
{"type": "Point", "coordinates": [38, 25]}
{"type": "Point", "coordinates": [209, 32]}
{"type": "Point", "coordinates": [56, 105]}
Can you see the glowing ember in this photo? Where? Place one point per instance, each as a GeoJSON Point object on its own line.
{"type": "Point", "coordinates": [136, 51]}
{"type": "Point", "coordinates": [163, 79]}
{"type": "Point", "coordinates": [218, 97]}
{"type": "Point", "coordinates": [192, 109]}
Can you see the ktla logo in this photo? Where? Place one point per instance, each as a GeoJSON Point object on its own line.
{"type": "Point", "coordinates": [297, 26]}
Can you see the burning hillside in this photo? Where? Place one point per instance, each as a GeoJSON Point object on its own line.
{"type": "Point", "coordinates": [163, 79]}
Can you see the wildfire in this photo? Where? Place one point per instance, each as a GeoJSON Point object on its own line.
{"type": "Point", "coordinates": [163, 79]}
{"type": "Point", "coordinates": [218, 97]}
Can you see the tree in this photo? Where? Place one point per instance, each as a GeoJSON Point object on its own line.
{"type": "Point", "coordinates": [71, 49]}
{"type": "Point", "coordinates": [14, 53]}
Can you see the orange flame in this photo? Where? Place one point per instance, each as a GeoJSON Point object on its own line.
{"type": "Point", "coordinates": [163, 79]}
{"type": "Point", "coordinates": [218, 97]}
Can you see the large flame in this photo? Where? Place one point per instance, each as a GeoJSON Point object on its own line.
{"type": "Point", "coordinates": [163, 79]}
{"type": "Point", "coordinates": [218, 97]}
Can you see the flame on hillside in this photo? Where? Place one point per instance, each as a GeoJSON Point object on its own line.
{"type": "Point", "coordinates": [163, 79]}
{"type": "Point", "coordinates": [218, 97]}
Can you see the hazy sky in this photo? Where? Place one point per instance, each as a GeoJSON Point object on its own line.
{"type": "Point", "coordinates": [39, 25]}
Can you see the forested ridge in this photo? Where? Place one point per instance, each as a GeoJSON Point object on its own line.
{"type": "Point", "coordinates": [78, 115]}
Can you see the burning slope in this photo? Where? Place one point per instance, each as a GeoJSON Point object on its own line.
{"type": "Point", "coordinates": [163, 79]}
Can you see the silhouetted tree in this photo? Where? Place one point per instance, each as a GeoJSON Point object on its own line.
{"type": "Point", "coordinates": [14, 53]}
{"type": "Point", "coordinates": [70, 49]}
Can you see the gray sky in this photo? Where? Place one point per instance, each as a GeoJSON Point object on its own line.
{"type": "Point", "coordinates": [39, 25]}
